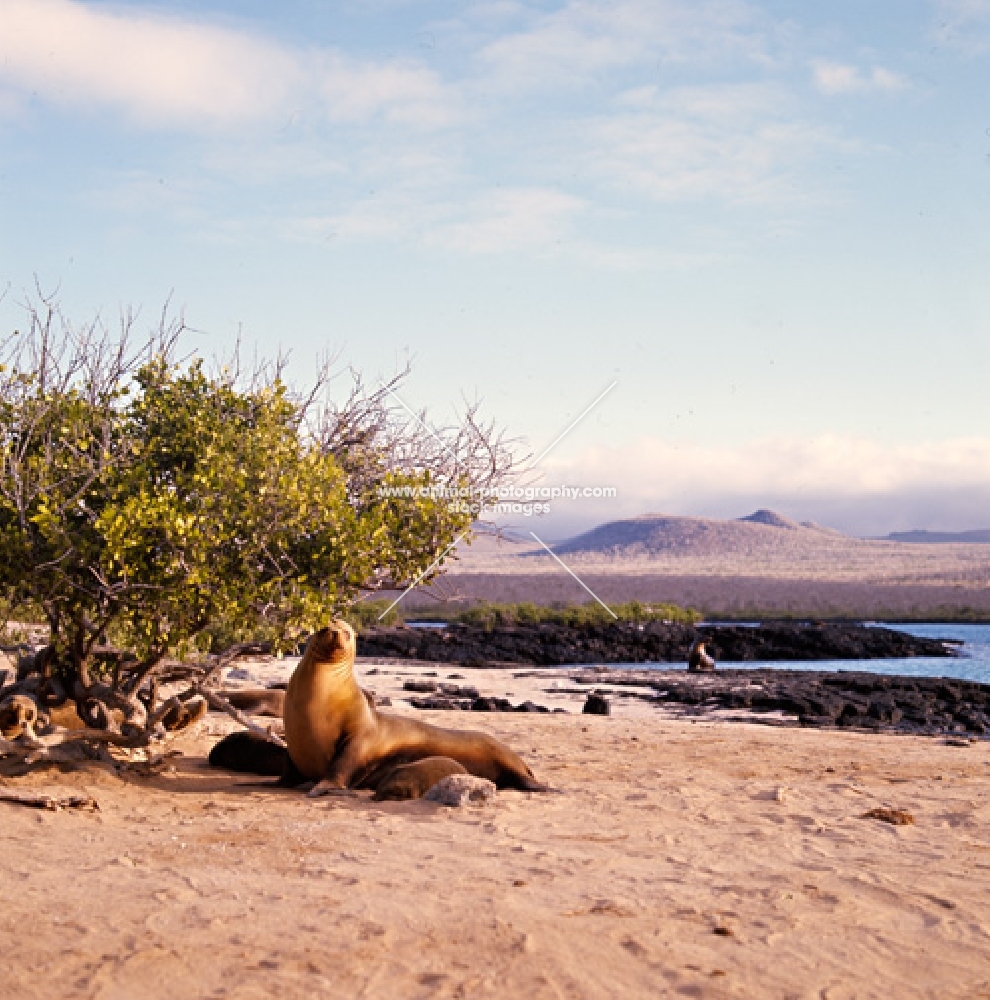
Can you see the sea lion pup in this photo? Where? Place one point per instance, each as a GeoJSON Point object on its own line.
{"type": "Point", "coordinates": [413, 781]}
{"type": "Point", "coordinates": [336, 736]}
{"type": "Point", "coordinates": [698, 659]}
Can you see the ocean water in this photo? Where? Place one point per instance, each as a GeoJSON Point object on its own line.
{"type": "Point", "coordinates": [972, 663]}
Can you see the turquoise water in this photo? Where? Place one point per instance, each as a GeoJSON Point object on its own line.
{"type": "Point", "coordinates": [972, 663]}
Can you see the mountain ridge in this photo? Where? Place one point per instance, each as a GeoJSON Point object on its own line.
{"type": "Point", "coordinates": [656, 534]}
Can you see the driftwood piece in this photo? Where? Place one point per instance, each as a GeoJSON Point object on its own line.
{"type": "Point", "coordinates": [39, 800]}
{"type": "Point", "coordinates": [219, 702]}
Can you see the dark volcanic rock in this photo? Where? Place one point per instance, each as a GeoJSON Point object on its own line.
{"type": "Point", "coordinates": [653, 642]}
{"type": "Point", "coordinates": [928, 705]}
{"type": "Point", "coordinates": [423, 687]}
{"type": "Point", "coordinates": [597, 704]}
{"type": "Point", "coordinates": [459, 690]}
{"type": "Point", "coordinates": [444, 702]}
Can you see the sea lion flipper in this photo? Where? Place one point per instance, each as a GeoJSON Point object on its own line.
{"type": "Point", "coordinates": [328, 787]}
{"type": "Point", "coordinates": [291, 776]}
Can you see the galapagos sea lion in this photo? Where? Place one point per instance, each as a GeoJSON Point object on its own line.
{"type": "Point", "coordinates": [18, 714]}
{"type": "Point", "coordinates": [185, 714]}
{"type": "Point", "coordinates": [336, 736]}
{"type": "Point", "coordinates": [413, 781]}
{"type": "Point", "coordinates": [250, 753]}
{"type": "Point", "coordinates": [698, 659]}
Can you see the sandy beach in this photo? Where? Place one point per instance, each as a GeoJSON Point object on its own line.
{"type": "Point", "coordinates": [675, 858]}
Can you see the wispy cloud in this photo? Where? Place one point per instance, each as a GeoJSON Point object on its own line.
{"type": "Point", "coordinates": [963, 25]}
{"type": "Point", "coordinates": [855, 483]}
{"type": "Point", "coordinates": [161, 70]}
{"type": "Point", "coordinates": [737, 143]}
{"type": "Point", "coordinates": [843, 78]}
{"type": "Point", "coordinates": [572, 44]}
{"type": "Point", "coordinates": [503, 221]}
{"type": "Point", "coordinates": [329, 145]}
{"type": "Point", "coordinates": [827, 463]}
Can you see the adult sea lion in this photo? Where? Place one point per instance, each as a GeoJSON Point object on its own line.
{"type": "Point", "coordinates": [336, 736]}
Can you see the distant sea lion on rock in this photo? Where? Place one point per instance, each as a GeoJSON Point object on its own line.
{"type": "Point", "coordinates": [336, 736]}
{"type": "Point", "coordinates": [698, 659]}
{"type": "Point", "coordinates": [413, 781]}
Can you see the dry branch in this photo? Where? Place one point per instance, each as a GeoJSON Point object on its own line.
{"type": "Point", "coordinates": [219, 702]}
{"type": "Point", "coordinates": [52, 802]}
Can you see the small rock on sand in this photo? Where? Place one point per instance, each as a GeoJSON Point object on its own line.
{"type": "Point", "coordinates": [422, 686]}
{"type": "Point", "coordinates": [597, 704]}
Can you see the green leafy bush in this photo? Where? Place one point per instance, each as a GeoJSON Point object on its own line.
{"type": "Point", "coordinates": [167, 509]}
{"type": "Point", "coordinates": [490, 615]}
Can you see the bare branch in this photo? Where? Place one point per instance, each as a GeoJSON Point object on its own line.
{"type": "Point", "coordinates": [218, 701]}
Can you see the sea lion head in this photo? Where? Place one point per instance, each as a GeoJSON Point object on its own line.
{"type": "Point", "coordinates": [334, 644]}
{"type": "Point", "coordinates": [18, 714]}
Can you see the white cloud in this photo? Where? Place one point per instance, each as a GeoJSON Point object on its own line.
{"type": "Point", "coordinates": [524, 218]}
{"type": "Point", "coordinates": [389, 217]}
{"type": "Point", "coordinates": [568, 46]}
{"type": "Point", "coordinates": [829, 463]}
{"type": "Point", "coordinates": [737, 143]}
{"type": "Point", "coordinates": [164, 70]}
{"type": "Point", "coordinates": [963, 25]}
{"type": "Point", "coordinates": [842, 78]}
{"type": "Point", "coordinates": [857, 484]}
{"type": "Point", "coordinates": [502, 221]}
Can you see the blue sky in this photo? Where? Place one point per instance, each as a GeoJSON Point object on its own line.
{"type": "Point", "coordinates": [768, 222]}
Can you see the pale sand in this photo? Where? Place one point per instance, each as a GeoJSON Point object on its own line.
{"type": "Point", "coordinates": [193, 884]}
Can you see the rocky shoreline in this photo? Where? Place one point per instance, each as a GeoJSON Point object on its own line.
{"type": "Point", "coordinates": [849, 700]}
{"type": "Point", "coordinates": [819, 699]}
{"type": "Point", "coordinates": [653, 642]}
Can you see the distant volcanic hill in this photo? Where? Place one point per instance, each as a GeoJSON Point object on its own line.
{"type": "Point", "coordinates": [771, 517]}
{"type": "Point", "coordinates": [657, 534]}
{"type": "Point", "coordinates": [759, 565]}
